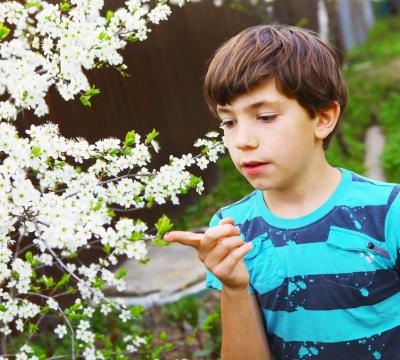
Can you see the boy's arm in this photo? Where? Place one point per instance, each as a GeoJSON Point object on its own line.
{"type": "Point", "coordinates": [243, 334]}
{"type": "Point", "coordinates": [221, 249]}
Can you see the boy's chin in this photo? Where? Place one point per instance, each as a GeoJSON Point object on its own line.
{"type": "Point", "coordinates": [261, 184]}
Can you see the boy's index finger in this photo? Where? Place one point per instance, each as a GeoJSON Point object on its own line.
{"type": "Point", "coordinates": [185, 238]}
{"type": "Point", "coordinates": [214, 233]}
{"type": "Point", "coordinates": [227, 220]}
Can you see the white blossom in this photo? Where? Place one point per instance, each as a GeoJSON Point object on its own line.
{"type": "Point", "coordinates": [60, 331]}
{"type": "Point", "coordinates": [50, 208]}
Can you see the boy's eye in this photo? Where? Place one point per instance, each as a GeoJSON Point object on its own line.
{"type": "Point", "coordinates": [226, 124]}
{"type": "Point", "coordinates": [267, 118]}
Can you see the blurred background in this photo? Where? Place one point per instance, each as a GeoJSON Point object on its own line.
{"type": "Point", "coordinates": [164, 91]}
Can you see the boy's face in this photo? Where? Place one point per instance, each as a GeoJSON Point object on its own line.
{"type": "Point", "coordinates": [270, 137]}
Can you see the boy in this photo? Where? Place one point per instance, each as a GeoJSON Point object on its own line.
{"type": "Point", "coordinates": [307, 264]}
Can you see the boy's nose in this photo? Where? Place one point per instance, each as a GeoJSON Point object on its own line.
{"type": "Point", "coordinates": [246, 139]}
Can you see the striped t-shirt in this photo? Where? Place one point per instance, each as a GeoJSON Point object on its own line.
{"type": "Point", "coordinates": [328, 282]}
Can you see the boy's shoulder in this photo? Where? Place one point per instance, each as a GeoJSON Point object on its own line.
{"type": "Point", "coordinates": [360, 191]}
{"type": "Point", "coordinates": [370, 191]}
{"type": "Point", "coordinates": [238, 210]}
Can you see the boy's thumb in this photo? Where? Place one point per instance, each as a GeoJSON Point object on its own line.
{"type": "Point", "coordinates": [227, 220]}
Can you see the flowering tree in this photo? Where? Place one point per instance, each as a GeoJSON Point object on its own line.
{"type": "Point", "coordinates": [60, 196]}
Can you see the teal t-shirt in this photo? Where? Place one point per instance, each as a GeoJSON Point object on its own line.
{"type": "Point", "coordinates": [327, 283]}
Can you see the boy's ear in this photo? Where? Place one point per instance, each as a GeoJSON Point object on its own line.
{"type": "Point", "coordinates": [326, 120]}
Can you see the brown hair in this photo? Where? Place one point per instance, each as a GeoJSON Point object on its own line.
{"type": "Point", "coordinates": [304, 67]}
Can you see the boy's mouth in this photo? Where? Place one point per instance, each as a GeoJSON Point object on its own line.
{"type": "Point", "coordinates": [253, 167]}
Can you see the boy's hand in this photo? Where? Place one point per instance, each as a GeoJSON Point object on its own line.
{"type": "Point", "coordinates": [221, 250]}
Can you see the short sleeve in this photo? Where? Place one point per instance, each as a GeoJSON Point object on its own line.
{"type": "Point", "coordinates": [212, 281]}
{"type": "Point", "coordinates": [392, 226]}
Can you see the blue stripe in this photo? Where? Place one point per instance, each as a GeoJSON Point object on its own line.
{"type": "Point", "coordinates": [359, 178]}
{"type": "Point", "coordinates": [321, 258]}
{"type": "Point", "coordinates": [398, 262]}
{"type": "Point", "coordinates": [367, 219]}
{"type": "Point", "coordinates": [334, 325]}
{"type": "Point", "coordinates": [393, 195]}
{"type": "Point", "coordinates": [384, 346]}
{"type": "Point", "coordinates": [253, 228]}
{"type": "Point", "coordinates": [242, 202]}
{"type": "Point", "coordinates": [378, 194]}
{"type": "Point", "coordinates": [332, 291]}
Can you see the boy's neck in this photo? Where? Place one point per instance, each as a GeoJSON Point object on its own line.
{"type": "Point", "coordinates": [308, 193]}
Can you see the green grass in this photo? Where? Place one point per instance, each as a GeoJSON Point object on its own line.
{"type": "Point", "coordinates": [382, 44]}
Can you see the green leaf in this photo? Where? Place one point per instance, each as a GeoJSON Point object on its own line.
{"type": "Point", "coordinates": [136, 236]}
{"type": "Point", "coordinates": [159, 242]}
{"type": "Point", "coordinates": [110, 212]}
{"type": "Point", "coordinates": [130, 138]}
{"type": "Point", "coordinates": [35, 4]}
{"type": "Point", "coordinates": [36, 289]}
{"type": "Point", "coordinates": [73, 308]}
{"type": "Point", "coordinates": [29, 256]}
{"type": "Point", "coordinates": [72, 255]}
{"type": "Point", "coordinates": [151, 136]}
{"type": "Point", "coordinates": [47, 281]}
{"type": "Point", "coordinates": [168, 346]}
{"type": "Point", "coordinates": [210, 321]}
{"type": "Point", "coordinates": [163, 225]}
{"type": "Point", "coordinates": [150, 201]}
{"type": "Point", "coordinates": [65, 6]}
{"type": "Point", "coordinates": [144, 261]}
{"type": "Point", "coordinates": [24, 95]}
{"type": "Point", "coordinates": [107, 248]}
{"type": "Point", "coordinates": [44, 310]}
{"type": "Point", "coordinates": [127, 151]}
{"type": "Point", "coordinates": [93, 91]}
{"type": "Point", "coordinates": [4, 31]}
{"type": "Point", "coordinates": [63, 281]}
{"type": "Point", "coordinates": [71, 290]}
{"type": "Point", "coordinates": [102, 36]}
{"type": "Point", "coordinates": [3, 307]}
{"type": "Point", "coordinates": [136, 310]}
{"type": "Point", "coordinates": [109, 16]}
{"type": "Point", "coordinates": [35, 151]}
{"type": "Point", "coordinates": [121, 273]}
{"type": "Point", "coordinates": [76, 317]}
{"type": "Point", "coordinates": [163, 335]}
{"type": "Point", "coordinates": [132, 38]}
{"type": "Point", "coordinates": [194, 181]}
{"type": "Point", "coordinates": [113, 152]}
{"type": "Point", "coordinates": [98, 283]}
{"type": "Point", "coordinates": [99, 204]}
{"type": "Point", "coordinates": [33, 328]}
{"type": "Point", "coordinates": [85, 100]}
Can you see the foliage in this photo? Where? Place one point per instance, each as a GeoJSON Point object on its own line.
{"type": "Point", "coordinates": [389, 115]}
{"type": "Point", "coordinates": [60, 197]}
{"type": "Point", "coordinates": [117, 339]}
{"type": "Point", "coordinates": [199, 327]}
{"type": "Point", "coordinates": [230, 187]}
{"type": "Point", "coordinates": [382, 43]}
{"type": "Point", "coordinates": [376, 84]}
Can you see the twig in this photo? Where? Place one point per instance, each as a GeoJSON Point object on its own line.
{"type": "Point", "coordinates": [66, 320]}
